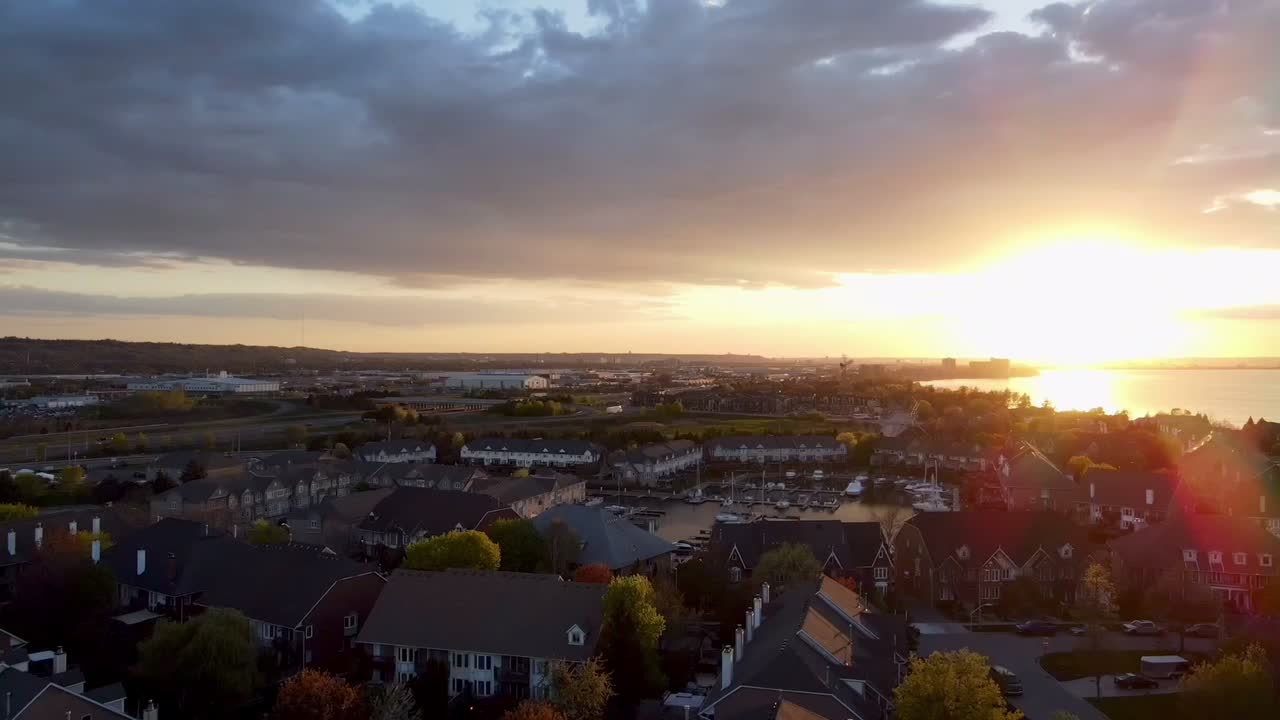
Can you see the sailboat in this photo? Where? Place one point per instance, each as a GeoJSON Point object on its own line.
{"type": "Point", "coordinates": [931, 496]}
{"type": "Point", "coordinates": [728, 502]}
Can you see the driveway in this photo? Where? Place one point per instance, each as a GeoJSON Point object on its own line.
{"type": "Point", "coordinates": [1042, 694]}
{"type": "Point", "coordinates": [1085, 688]}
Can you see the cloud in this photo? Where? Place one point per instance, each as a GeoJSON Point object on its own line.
{"type": "Point", "coordinates": [385, 311]}
{"type": "Point", "coordinates": [764, 141]}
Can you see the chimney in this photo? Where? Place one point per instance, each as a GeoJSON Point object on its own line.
{"type": "Point", "coordinates": [142, 561]}
{"type": "Point", "coordinates": [739, 640]}
{"type": "Point", "coordinates": [726, 667]}
{"type": "Point", "coordinates": [1151, 497]}
{"type": "Point", "coordinates": [39, 535]}
{"type": "Point", "coordinates": [758, 605]}
{"type": "Point", "coordinates": [764, 592]}
{"type": "Point", "coordinates": [95, 550]}
{"type": "Point", "coordinates": [13, 542]}
{"type": "Point", "coordinates": [151, 712]}
{"type": "Point", "coordinates": [73, 527]}
{"type": "Point", "coordinates": [1092, 490]}
{"type": "Point", "coordinates": [59, 661]}
{"type": "Point", "coordinates": [97, 525]}
{"type": "Point", "coordinates": [751, 633]}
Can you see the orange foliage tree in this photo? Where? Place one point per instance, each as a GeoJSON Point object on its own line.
{"type": "Point", "coordinates": [597, 573]}
{"type": "Point", "coordinates": [533, 710]}
{"type": "Point", "coordinates": [316, 695]}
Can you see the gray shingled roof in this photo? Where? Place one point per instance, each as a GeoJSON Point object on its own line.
{"type": "Point", "coordinates": [855, 544]}
{"type": "Point", "coordinates": [429, 511]}
{"type": "Point", "coordinates": [500, 613]}
{"type": "Point", "coordinates": [605, 538]}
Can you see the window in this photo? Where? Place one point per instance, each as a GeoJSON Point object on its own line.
{"type": "Point", "coordinates": [1215, 556]}
{"type": "Point", "coordinates": [466, 661]}
{"type": "Point", "coordinates": [350, 620]}
{"type": "Point", "coordinates": [457, 660]}
{"type": "Point", "coordinates": [315, 523]}
{"type": "Point", "coordinates": [735, 574]}
{"type": "Point", "coordinates": [1264, 560]}
{"type": "Point", "coordinates": [1238, 558]}
{"type": "Point", "coordinates": [173, 503]}
{"type": "Point", "coordinates": [404, 654]}
{"type": "Point", "coordinates": [309, 632]}
{"type": "Point", "coordinates": [484, 662]}
{"type": "Point", "coordinates": [962, 552]}
{"type": "Point", "coordinates": [1065, 551]}
{"type": "Point", "coordinates": [457, 685]}
{"type": "Point", "coordinates": [882, 573]}
{"type": "Point", "coordinates": [1189, 555]}
{"type": "Point", "coordinates": [575, 636]}
{"type": "Point", "coordinates": [1126, 511]}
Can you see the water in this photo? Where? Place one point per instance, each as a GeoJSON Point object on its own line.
{"type": "Point", "coordinates": [1229, 395]}
{"type": "Point", "coordinates": [683, 521]}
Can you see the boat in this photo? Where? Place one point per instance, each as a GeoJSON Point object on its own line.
{"type": "Point", "coordinates": [782, 504]}
{"type": "Point", "coordinates": [855, 488]}
{"type": "Point", "coordinates": [728, 518]}
{"type": "Point", "coordinates": [695, 499]}
{"type": "Point", "coordinates": [933, 504]}
{"type": "Point", "coordinates": [726, 503]}
{"type": "Point", "coordinates": [803, 501]}
{"type": "Point", "coordinates": [616, 509]}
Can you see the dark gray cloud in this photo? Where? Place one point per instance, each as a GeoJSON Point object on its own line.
{"type": "Point", "coordinates": [765, 140]}
{"type": "Point", "coordinates": [387, 311]}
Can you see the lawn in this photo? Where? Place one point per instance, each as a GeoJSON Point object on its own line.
{"type": "Point", "coordinates": [1083, 663]}
{"type": "Point", "coordinates": [1138, 707]}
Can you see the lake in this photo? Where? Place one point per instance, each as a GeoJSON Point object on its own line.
{"type": "Point", "coordinates": [1229, 395]}
{"type": "Point", "coordinates": [683, 521]}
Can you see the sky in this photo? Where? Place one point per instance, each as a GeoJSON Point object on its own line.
{"type": "Point", "coordinates": [1059, 183]}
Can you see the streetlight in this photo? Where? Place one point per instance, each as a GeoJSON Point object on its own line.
{"type": "Point", "coordinates": [978, 611]}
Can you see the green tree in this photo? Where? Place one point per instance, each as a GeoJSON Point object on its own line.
{"type": "Point", "coordinates": [520, 544]}
{"type": "Point", "coordinates": [951, 686]}
{"type": "Point", "coordinates": [193, 470]}
{"type": "Point", "coordinates": [469, 549]}
{"type": "Point", "coordinates": [1234, 686]}
{"type": "Point", "coordinates": [787, 563]}
{"type": "Point", "coordinates": [119, 444]}
{"type": "Point", "coordinates": [457, 440]}
{"type": "Point", "coordinates": [632, 596]}
{"type": "Point", "coordinates": [1096, 603]}
{"type": "Point", "coordinates": [581, 691]}
{"type": "Point", "coordinates": [340, 451]}
{"type": "Point", "coordinates": [317, 695]}
{"type": "Point", "coordinates": [393, 702]}
{"type": "Point", "coordinates": [265, 533]}
{"type": "Point", "coordinates": [204, 668]}
{"type": "Point", "coordinates": [140, 444]}
{"type": "Point", "coordinates": [563, 548]}
{"type": "Point", "coordinates": [629, 641]}
{"type": "Point", "coordinates": [520, 473]}
{"type": "Point", "coordinates": [296, 435]}
{"type": "Point", "coordinates": [1078, 464]}
{"type": "Point", "coordinates": [31, 488]}
{"type": "Point", "coordinates": [62, 597]}
{"type": "Point", "coordinates": [16, 511]}
{"type": "Point", "coordinates": [669, 601]}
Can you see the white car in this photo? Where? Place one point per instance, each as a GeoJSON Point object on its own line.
{"type": "Point", "coordinates": [1142, 627]}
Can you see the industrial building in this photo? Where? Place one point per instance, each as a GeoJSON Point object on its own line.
{"type": "Point", "coordinates": [220, 384]}
{"type": "Point", "coordinates": [56, 402]}
{"type": "Point", "coordinates": [495, 381]}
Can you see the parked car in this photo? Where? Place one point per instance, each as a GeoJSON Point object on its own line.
{"type": "Point", "coordinates": [1131, 681]}
{"type": "Point", "coordinates": [1204, 630]}
{"type": "Point", "coordinates": [1036, 627]}
{"type": "Point", "coordinates": [1079, 630]}
{"type": "Point", "coordinates": [1010, 685]}
{"type": "Point", "coordinates": [1142, 627]}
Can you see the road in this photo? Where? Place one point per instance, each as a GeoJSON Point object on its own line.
{"type": "Point", "coordinates": [1042, 694]}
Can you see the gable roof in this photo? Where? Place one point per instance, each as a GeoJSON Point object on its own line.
{"type": "Point", "coordinates": [854, 544]}
{"type": "Point", "coordinates": [1160, 545]}
{"type": "Point", "coordinates": [1128, 488]}
{"type": "Point", "coordinates": [605, 538]}
{"type": "Point", "coordinates": [1029, 468]}
{"type": "Point", "coordinates": [113, 522]}
{"type": "Point", "coordinates": [396, 446]}
{"type": "Point", "coordinates": [510, 490]}
{"type": "Point", "coordinates": [539, 447]}
{"type": "Point", "coordinates": [1019, 534]}
{"type": "Point", "coordinates": [501, 613]}
{"type": "Point", "coordinates": [775, 442]}
{"type": "Point", "coordinates": [430, 511]}
{"type": "Point", "coordinates": [444, 477]}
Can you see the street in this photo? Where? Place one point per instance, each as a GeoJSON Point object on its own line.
{"type": "Point", "coordinates": [1042, 694]}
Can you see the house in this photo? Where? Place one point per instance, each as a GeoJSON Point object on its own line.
{"type": "Point", "coordinates": [855, 550]}
{"type": "Point", "coordinates": [497, 632]}
{"type": "Point", "coordinates": [1233, 558]}
{"type": "Point", "coordinates": [173, 464]}
{"type": "Point", "coordinates": [397, 451]}
{"type": "Point", "coordinates": [609, 540]}
{"type": "Point", "coordinates": [443, 477]}
{"type": "Point", "coordinates": [332, 522]}
{"type": "Point", "coordinates": [409, 514]}
{"type": "Point", "coordinates": [1226, 474]}
{"type": "Point", "coordinates": [263, 492]}
{"type": "Point", "coordinates": [813, 652]}
{"type": "Point", "coordinates": [535, 493]}
{"type": "Point", "coordinates": [651, 463]}
{"type": "Point", "coordinates": [303, 603]}
{"type": "Point", "coordinates": [914, 450]}
{"type": "Point", "coordinates": [1030, 481]}
{"type": "Point", "coordinates": [969, 556]}
{"type": "Point", "coordinates": [1125, 499]}
{"type": "Point", "coordinates": [785, 448]}
{"type": "Point", "coordinates": [528, 453]}
{"type": "Point", "coordinates": [32, 697]}
{"type": "Point", "coordinates": [25, 538]}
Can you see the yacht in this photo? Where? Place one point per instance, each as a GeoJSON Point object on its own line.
{"type": "Point", "coordinates": [782, 505]}
{"type": "Point", "coordinates": [616, 509]}
{"type": "Point", "coordinates": [694, 497]}
{"type": "Point", "coordinates": [855, 488]}
{"type": "Point", "coordinates": [728, 518]}
{"type": "Point", "coordinates": [932, 504]}
{"type": "Point", "coordinates": [725, 503]}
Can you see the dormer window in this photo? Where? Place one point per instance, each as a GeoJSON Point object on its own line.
{"type": "Point", "coordinates": [1189, 555]}
{"type": "Point", "coordinates": [962, 552]}
{"type": "Point", "coordinates": [1215, 556]}
{"type": "Point", "coordinates": [576, 636]}
{"type": "Point", "coordinates": [1264, 560]}
{"type": "Point", "coordinates": [1065, 551]}
{"type": "Point", "coordinates": [1239, 558]}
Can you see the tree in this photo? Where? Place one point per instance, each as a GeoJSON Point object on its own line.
{"type": "Point", "coordinates": [1021, 598]}
{"type": "Point", "coordinates": [520, 545]}
{"type": "Point", "coordinates": [596, 573]}
{"type": "Point", "coordinates": [340, 451]}
{"type": "Point", "coordinates": [119, 444]}
{"type": "Point", "coordinates": [533, 710]}
{"type": "Point", "coordinates": [1268, 600]}
{"type": "Point", "coordinates": [162, 483]}
{"type": "Point", "coordinates": [951, 686]}
{"type": "Point", "coordinates": [563, 547]}
{"type": "Point", "coordinates": [787, 563]}
{"type": "Point", "coordinates": [1096, 603]}
{"type": "Point", "coordinates": [632, 596]}
{"type": "Point", "coordinates": [208, 441]}
{"type": "Point", "coordinates": [629, 641]}
{"type": "Point", "coordinates": [1234, 686]}
{"type": "Point", "coordinates": [520, 473]}
{"type": "Point", "coordinates": [581, 691]}
{"type": "Point", "coordinates": [1181, 604]}
{"type": "Point", "coordinates": [31, 488]}
{"type": "Point", "coordinates": [891, 519]}
{"type": "Point", "coordinates": [42, 451]}
{"type": "Point", "coordinates": [393, 702]}
{"type": "Point", "coordinates": [265, 533]}
{"type": "Point", "coordinates": [669, 601]}
{"type": "Point", "coordinates": [317, 695]}
{"type": "Point", "coordinates": [108, 489]}
{"type": "Point", "coordinates": [295, 435]}
{"type": "Point", "coordinates": [457, 440]}
{"type": "Point", "coordinates": [469, 549]}
{"type": "Point", "coordinates": [16, 511]}
{"type": "Point", "coordinates": [204, 668]}
{"type": "Point", "coordinates": [140, 444]}
{"type": "Point", "coordinates": [62, 597]}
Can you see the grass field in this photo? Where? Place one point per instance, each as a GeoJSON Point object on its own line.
{"type": "Point", "coordinates": [1139, 707]}
{"type": "Point", "coordinates": [1081, 664]}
